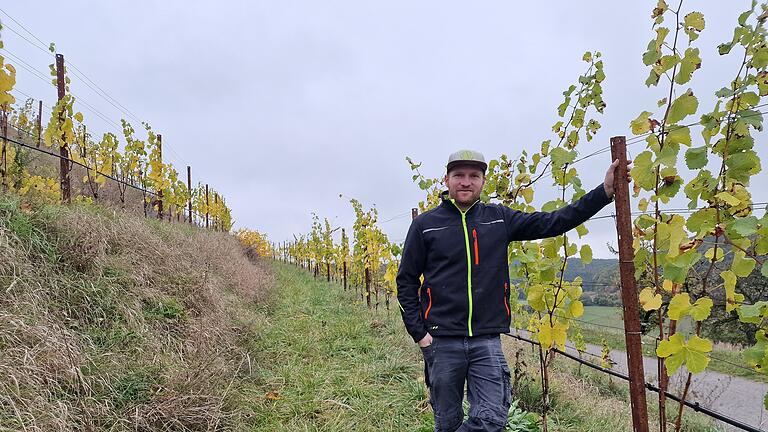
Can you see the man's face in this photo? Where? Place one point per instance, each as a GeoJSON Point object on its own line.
{"type": "Point", "coordinates": [465, 184]}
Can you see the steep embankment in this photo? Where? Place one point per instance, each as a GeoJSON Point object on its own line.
{"type": "Point", "coordinates": [113, 322]}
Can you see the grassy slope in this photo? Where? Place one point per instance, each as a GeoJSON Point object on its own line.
{"type": "Point", "coordinates": [113, 322]}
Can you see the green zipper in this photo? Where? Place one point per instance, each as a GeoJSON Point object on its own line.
{"type": "Point", "coordinates": [469, 261]}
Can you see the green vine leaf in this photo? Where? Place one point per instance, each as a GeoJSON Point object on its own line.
{"type": "Point", "coordinates": [680, 306]}
{"type": "Point", "coordinates": [653, 54]}
{"type": "Point", "coordinates": [585, 253]}
{"type": "Point", "coordinates": [682, 107]}
{"type": "Point", "coordinates": [694, 23]}
{"type": "Point", "coordinates": [742, 266]}
{"type": "Point", "coordinates": [690, 62]}
{"type": "Point", "coordinates": [677, 353]}
{"type": "Point", "coordinates": [679, 136]}
{"type": "Point", "coordinates": [644, 172]}
{"type": "Point", "coordinates": [732, 298]}
{"type": "Point", "coordinates": [550, 335]}
{"type": "Point", "coordinates": [576, 308]}
{"type": "Point", "coordinates": [755, 313]}
{"type": "Point", "coordinates": [641, 124]}
{"type": "Point", "coordinates": [649, 299]}
{"type": "Point", "coordinates": [743, 227]}
{"type": "Point", "coordinates": [696, 157]}
{"type": "Point", "coordinates": [757, 355]}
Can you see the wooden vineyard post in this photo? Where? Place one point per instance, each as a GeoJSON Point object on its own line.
{"type": "Point", "coordinates": [143, 192]}
{"type": "Point", "coordinates": [344, 273]}
{"type": "Point", "coordinates": [206, 206]}
{"type": "Point", "coordinates": [189, 189]}
{"type": "Point", "coordinates": [39, 123]}
{"type": "Point", "coordinates": [629, 298]}
{"type": "Point", "coordinates": [63, 148]}
{"type": "Point", "coordinates": [4, 151]}
{"type": "Point", "coordinates": [344, 263]}
{"type": "Point", "coordinates": [368, 286]}
{"type": "Point", "coordinates": [83, 148]}
{"type": "Point", "coordinates": [215, 220]}
{"type": "Point", "coordinates": [160, 190]}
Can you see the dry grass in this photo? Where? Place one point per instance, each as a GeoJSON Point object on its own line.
{"type": "Point", "coordinates": [109, 321]}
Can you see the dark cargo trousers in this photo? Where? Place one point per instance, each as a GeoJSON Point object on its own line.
{"type": "Point", "coordinates": [478, 361]}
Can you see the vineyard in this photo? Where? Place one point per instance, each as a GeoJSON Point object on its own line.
{"type": "Point", "coordinates": [62, 161]}
{"type": "Point", "coordinates": [685, 272]}
{"type": "Point", "coordinates": [687, 262]}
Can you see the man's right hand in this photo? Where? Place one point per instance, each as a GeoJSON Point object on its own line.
{"type": "Point", "coordinates": [425, 341]}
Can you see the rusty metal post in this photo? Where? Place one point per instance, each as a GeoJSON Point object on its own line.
{"type": "Point", "coordinates": [143, 192]}
{"type": "Point", "coordinates": [368, 287]}
{"type": "Point", "coordinates": [628, 289]}
{"type": "Point", "coordinates": [39, 123]}
{"type": "Point", "coordinates": [216, 219]}
{"type": "Point", "coordinates": [83, 148]}
{"type": "Point", "coordinates": [344, 266]}
{"type": "Point", "coordinates": [207, 202]}
{"type": "Point", "coordinates": [4, 151]}
{"type": "Point", "coordinates": [189, 189]}
{"type": "Point", "coordinates": [344, 273]}
{"type": "Point", "coordinates": [160, 190]}
{"type": "Point", "coordinates": [63, 148]}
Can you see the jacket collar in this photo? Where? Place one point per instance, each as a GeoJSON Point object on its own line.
{"type": "Point", "coordinates": [451, 205]}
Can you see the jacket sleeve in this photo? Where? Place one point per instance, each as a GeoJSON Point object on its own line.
{"type": "Point", "coordinates": [538, 225]}
{"type": "Point", "coordinates": [408, 283]}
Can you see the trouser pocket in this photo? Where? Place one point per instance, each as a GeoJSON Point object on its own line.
{"type": "Point", "coordinates": [428, 352]}
{"type": "Point", "coordinates": [507, 381]}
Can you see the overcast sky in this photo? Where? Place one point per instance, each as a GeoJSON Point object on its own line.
{"type": "Point", "coordinates": [284, 105]}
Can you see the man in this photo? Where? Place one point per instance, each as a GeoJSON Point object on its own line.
{"type": "Point", "coordinates": [460, 247]}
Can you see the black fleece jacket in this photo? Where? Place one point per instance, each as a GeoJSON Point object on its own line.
{"type": "Point", "coordinates": [463, 257]}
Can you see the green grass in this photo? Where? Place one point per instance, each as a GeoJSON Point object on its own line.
{"type": "Point", "coordinates": [603, 315]}
{"type": "Point", "coordinates": [324, 362]}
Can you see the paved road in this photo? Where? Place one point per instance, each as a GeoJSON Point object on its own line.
{"type": "Point", "coordinates": [735, 397]}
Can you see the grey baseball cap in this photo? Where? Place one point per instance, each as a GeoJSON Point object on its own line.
{"type": "Point", "coordinates": [466, 157]}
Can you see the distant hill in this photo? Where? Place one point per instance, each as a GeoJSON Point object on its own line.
{"type": "Point", "coordinates": [600, 280]}
{"type": "Point", "coordinates": [598, 272]}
